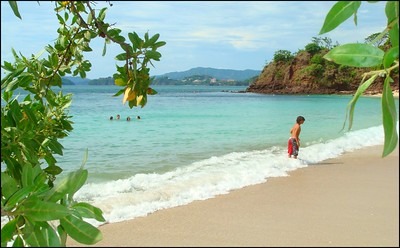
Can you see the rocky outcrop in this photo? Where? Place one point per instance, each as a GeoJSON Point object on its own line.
{"type": "Point", "coordinates": [301, 76]}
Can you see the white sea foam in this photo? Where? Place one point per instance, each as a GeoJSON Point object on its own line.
{"type": "Point", "coordinates": [146, 193]}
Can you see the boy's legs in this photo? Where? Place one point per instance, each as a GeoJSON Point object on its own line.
{"type": "Point", "coordinates": [295, 149]}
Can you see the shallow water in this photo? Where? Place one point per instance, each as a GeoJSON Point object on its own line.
{"type": "Point", "coordinates": [195, 142]}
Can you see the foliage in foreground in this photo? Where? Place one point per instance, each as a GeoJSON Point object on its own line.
{"type": "Point", "coordinates": [368, 55]}
{"type": "Point", "coordinates": [41, 210]}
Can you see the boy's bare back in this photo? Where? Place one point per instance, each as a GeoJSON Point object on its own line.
{"type": "Point", "coordinates": [295, 133]}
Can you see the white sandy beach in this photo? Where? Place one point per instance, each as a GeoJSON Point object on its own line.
{"type": "Point", "coordinates": [394, 92]}
{"type": "Point", "coordinates": [352, 200]}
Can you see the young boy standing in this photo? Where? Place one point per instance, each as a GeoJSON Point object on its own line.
{"type": "Point", "coordinates": [294, 140]}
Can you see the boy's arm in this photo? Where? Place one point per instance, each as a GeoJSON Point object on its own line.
{"type": "Point", "coordinates": [297, 134]}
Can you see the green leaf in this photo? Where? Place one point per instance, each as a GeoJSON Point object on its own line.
{"type": "Point", "coordinates": [54, 59]}
{"type": "Point", "coordinates": [24, 80]}
{"type": "Point", "coordinates": [113, 32]}
{"type": "Point", "coordinates": [119, 38]}
{"type": "Point", "coordinates": [66, 16]}
{"type": "Point", "coordinates": [90, 17]}
{"type": "Point", "coordinates": [37, 56]}
{"type": "Point", "coordinates": [82, 74]}
{"type": "Point", "coordinates": [392, 14]}
{"type": "Point", "coordinates": [153, 55]}
{"type": "Point", "coordinates": [30, 113]}
{"type": "Point", "coordinates": [389, 118]}
{"type": "Point", "coordinates": [40, 182]}
{"type": "Point", "coordinates": [88, 211]}
{"type": "Point", "coordinates": [38, 210]}
{"type": "Point", "coordinates": [51, 237]}
{"type": "Point", "coordinates": [151, 91]}
{"type": "Point", "coordinates": [80, 230]}
{"type": "Point", "coordinates": [7, 66]}
{"type": "Point", "coordinates": [62, 234]}
{"type": "Point", "coordinates": [8, 185]}
{"type": "Point", "coordinates": [7, 232]}
{"type": "Point", "coordinates": [18, 196]}
{"type": "Point", "coordinates": [57, 81]}
{"type": "Point", "coordinates": [339, 13]}
{"type": "Point", "coordinates": [11, 78]}
{"type": "Point", "coordinates": [119, 82]}
{"type": "Point", "coordinates": [120, 92]}
{"type": "Point", "coordinates": [84, 160]}
{"type": "Point", "coordinates": [50, 159]}
{"type": "Point", "coordinates": [86, 48]}
{"type": "Point", "coordinates": [356, 55]}
{"type": "Point", "coordinates": [87, 34]}
{"type": "Point", "coordinates": [102, 14]}
{"type": "Point", "coordinates": [18, 242]}
{"type": "Point", "coordinates": [29, 173]}
{"type": "Point", "coordinates": [12, 85]}
{"type": "Point", "coordinates": [43, 235]}
{"type": "Point", "coordinates": [390, 56]}
{"type": "Point", "coordinates": [121, 57]}
{"type": "Point", "coordinates": [34, 238]}
{"type": "Point", "coordinates": [7, 95]}
{"type": "Point", "coordinates": [104, 48]}
{"type": "Point", "coordinates": [14, 7]}
{"type": "Point", "coordinates": [352, 103]}
{"type": "Point", "coordinates": [159, 44]}
{"type": "Point", "coordinates": [136, 40]}
{"type": "Point", "coordinates": [55, 146]}
{"type": "Point", "coordinates": [68, 185]}
{"type": "Point", "coordinates": [60, 19]}
{"type": "Point", "coordinates": [152, 40]}
{"type": "Point", "coordinates": [53, 170]}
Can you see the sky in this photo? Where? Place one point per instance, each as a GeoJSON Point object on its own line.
{"type": "Point", "coordinates": [235, 35]}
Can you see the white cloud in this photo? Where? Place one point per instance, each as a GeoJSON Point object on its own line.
{"type": "Point", "coordinates": [220, 34]}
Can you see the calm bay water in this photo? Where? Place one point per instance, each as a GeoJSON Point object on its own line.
{"type": "Point", "coordinates": [195, 142]}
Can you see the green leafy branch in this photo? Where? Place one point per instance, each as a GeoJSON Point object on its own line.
{"type": "Point", "coordinates": [41, 210]}
{"type": "Point", "coordinates": [367, 55]}
{"type": "Point", "coordinates": [134, 75]}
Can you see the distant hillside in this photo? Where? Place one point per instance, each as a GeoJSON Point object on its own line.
{"type": "Point", "coordinates": [77, 80]}
{"type": "Point", "coordinates": [66, 81]}
{"type": "Point", "coordinates": [195, 76]}
{"type": "Point", "coordinates": [308, 73]}
{"type": "Point", "coordinates": [102, 81]}
{"type": "Point", "coordinates": [220, 74]}
{"type": "Point", "coordinates": [202, 80]}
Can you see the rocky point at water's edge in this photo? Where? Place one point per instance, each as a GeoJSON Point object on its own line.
{"type": "Point", "coordinates": [301, 76]}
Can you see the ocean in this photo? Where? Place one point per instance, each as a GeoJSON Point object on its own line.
{"type": "Point", "coordinates": [196, 142]}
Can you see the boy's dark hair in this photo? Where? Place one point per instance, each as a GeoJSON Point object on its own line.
{"type": "Point", "coordinates": [300, 118]}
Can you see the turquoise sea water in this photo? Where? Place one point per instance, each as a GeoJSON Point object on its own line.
{"type": "Point", "coordinates": [196, 142]}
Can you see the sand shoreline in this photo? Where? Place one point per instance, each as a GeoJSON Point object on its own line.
{"type": "Point", "coordinates": [395, 94]}
{"type": "Point", "coordinates": [352, 200]}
